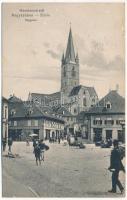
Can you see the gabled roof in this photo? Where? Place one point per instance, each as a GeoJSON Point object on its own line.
{"type": "Point", "coordinates": [117, 104]}
{"type": "Point", "coordinates": [70, 53]}
{"type": "Point", "coordinates": [14, 99]}
{"type": "Point", "coordinates": [76, 90]}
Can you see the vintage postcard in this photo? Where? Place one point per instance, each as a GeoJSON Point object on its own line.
{"type": "Point", "coordinates": [63, 100]}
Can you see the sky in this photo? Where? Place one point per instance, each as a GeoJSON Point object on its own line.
{"type": "Point", "coordinates": [32, 46]}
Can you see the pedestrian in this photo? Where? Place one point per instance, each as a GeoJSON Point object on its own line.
{"type": "Point", "coordinates": [37, 152]}
{"type": "Point", "coordinates": [27, 142]}
{"type": "Point", "coordinates": [4, 144]}
{"type": "Point", "coordinates": [34, 144]}
{"type": "Point", "coordinates": [42, 149]}
{"type": "Point", "coordinates": [10, 143]}
{"type": "Point", "coordinates": [59, 139]}
{"type": "Point", "coordinates": [115, 167]}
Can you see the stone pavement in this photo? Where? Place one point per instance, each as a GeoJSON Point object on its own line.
{"type": "Point", "coordinates": [66, 172]}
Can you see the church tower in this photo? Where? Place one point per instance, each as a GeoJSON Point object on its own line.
{"type": "Point", "coordinates": [69, 68]}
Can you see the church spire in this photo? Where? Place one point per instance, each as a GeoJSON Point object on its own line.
{"type": "Point", "coordinates": [63, 59]}
{"type": "Point", "coordinates": [70, 53]}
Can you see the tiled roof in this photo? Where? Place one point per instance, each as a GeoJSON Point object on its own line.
{"type": "Point", "coordinates": [76, 90]}
{"type": "Point", "coordinates": [21, 110]}
{"type": "Point", "coordinates": [117, 104]}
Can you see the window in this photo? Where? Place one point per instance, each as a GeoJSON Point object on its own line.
{"type": "Point", "coordinates": [64, 72]}
{"type": "Point", "coordinates": [84, 102]}
{"type": "Point", "coordinates": [75, 110]}
{"type": "Point", "coordinates": [108, 105]}
{"type": "Point", "coordinates": [15, 123]}
{"type": "Point", "coordinates": [5, 112]}
{"type": "Point", "coordinates": [97, 122]}
{"type": "Point", "coordinates": [73, 72]}
{"type": "Point", "coordinates": [35, 122]}
{"type": "Point", "coordinates": [109, 122]}
{"type": "Point", "coordinates": [13, 112]}
{"type": "Point", "coordinates": [93, 100]}
{"type": "Point", "coordinates": [118, 122]}
{"type": "Point", "coordinates": [29, 122]}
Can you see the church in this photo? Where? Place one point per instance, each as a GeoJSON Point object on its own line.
{"type": "Point", "coordinates": [72, 96]}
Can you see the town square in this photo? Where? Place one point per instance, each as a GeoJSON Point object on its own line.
{"type": "Point", "coordinates": [63, 100]}
{"type": "Point", "coordinates": [66, 172]}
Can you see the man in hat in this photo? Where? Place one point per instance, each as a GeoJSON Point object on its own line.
{"type": "Point", "coordinates": [115, 167]}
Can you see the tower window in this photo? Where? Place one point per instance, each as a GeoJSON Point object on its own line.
{"type": "Point", "coordinates": [84, 102]}
{"type": "Point", "coordinates": [73, 72]}
{"type": "Point", "coordinates": [64, 72]}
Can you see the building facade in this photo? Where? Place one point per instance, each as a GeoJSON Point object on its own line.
{"type": "Point", "coordinates": [25, 118]}
{"type": "Point", "coordinates": [105, 120]}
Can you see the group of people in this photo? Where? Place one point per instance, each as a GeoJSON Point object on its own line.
{"type": "Point", "coordinates": [55, 139]}
{"type": "Point", "coordinates": [39, 149]}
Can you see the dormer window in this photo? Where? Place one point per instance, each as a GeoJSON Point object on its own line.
{"type": "Point", "coordinates": [29, 112]}
{"type": "Point", "coordinates": [13, 111]}
{"type": "Point", "coordinates": [108, 105]}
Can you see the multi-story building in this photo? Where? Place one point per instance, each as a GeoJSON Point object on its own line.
{"type": "Point", "coordinates": [25, 118]}
{"type": "Point", "coordinates": [4, 128]}
{"type": "Point", "coordinates": [69, 119]}
{"type": "Point", "coordinates": [105, 120]}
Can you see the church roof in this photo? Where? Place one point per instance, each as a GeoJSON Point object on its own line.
{"type": "Point", "coordinates": [70, 53]}
{"type": "Point", "coordinates": [76, 90]}
{"type": "Point", "coordinates": [53, 95]}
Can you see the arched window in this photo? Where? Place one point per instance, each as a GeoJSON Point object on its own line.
{"type": "Point", "coordinates": [75, 110]}
{"type": "Point", "coordinates": [84, 102]}
{"type": "Point", "coordinates": [73, 72]}
{"type": "Point", "coordinates": [64, 72]}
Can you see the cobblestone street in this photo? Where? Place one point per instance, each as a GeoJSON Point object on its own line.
{"type": "Point", "coordinates": [66, 172]}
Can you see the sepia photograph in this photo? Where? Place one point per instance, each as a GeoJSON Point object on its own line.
{"type": "Point", "coordinates": [63, 100]}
